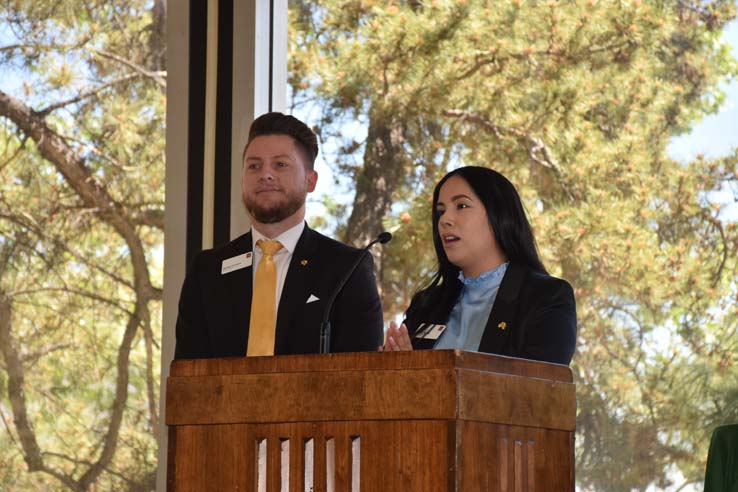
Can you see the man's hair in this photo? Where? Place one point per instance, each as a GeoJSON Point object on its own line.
{"type": "Point", "coordinates": [276, 123]}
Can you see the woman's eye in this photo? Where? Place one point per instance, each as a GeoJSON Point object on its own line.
{"type": "Point", "coordinates": [462, 205]}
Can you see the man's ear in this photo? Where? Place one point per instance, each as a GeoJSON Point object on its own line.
{"type": "Point", "coordinates": [312, 180]}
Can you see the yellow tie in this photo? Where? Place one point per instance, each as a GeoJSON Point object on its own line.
{"type": "Point", "coordinates": [263, 302]}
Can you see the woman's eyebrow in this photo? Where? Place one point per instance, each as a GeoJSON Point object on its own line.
{"type": "Point", "coordinates": [459, 197]}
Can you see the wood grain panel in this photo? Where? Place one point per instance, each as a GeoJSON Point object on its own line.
{"type": "Point", "coordinates": [385, 395]}
{"type": "Point", "coordinates": [395, 456]}
{"type": "Point", "coordinates": [500, 458]}
{"type": "Point", "coordinates": [211, 458]}
{"type": "Point", "coordinates": [293, 397]}
{"type": "Point", "coordinates": [538, 402]}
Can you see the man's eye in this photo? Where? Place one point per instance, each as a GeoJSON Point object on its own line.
{"type": "Point", "coordinates": [282, 164]}
{"type": "Point", "coordinates": [252, 166]}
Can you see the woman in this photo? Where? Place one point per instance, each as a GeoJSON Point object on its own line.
{"type": "Point", "coordinates": [491, 292]}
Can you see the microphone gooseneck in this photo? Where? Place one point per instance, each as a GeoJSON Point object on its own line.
{"type": "Point", "coordinates": [325, 327]}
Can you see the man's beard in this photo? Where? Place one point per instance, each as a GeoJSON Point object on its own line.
{"type": "Point", "coordinates": [276, 212]}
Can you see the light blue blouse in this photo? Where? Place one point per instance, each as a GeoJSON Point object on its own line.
{"type": "Point", "coordinates": [468, 319]}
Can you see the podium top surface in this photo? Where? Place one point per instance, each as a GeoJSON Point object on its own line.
{"type": "Point", "coordinates": [369, 361]}
{"type": "Point", "coordinates": [434, 384]}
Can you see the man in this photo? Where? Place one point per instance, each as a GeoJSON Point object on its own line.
{"type": "Point", "coordinates": [265, 292]}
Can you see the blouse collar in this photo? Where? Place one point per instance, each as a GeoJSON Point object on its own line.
{"type": "Point", "coordinates": [492, 276]}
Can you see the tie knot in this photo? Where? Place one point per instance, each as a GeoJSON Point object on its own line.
{"type": "Point", "coordinates": [269, 247]}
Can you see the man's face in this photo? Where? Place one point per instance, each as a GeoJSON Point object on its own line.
{"type": "Point", "coordinates": [275, 179]}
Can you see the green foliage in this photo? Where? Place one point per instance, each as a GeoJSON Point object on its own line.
{"type": "Point", "coordinates": [575, 101]}
{"type": "Point", "coordinates": [76, 294]}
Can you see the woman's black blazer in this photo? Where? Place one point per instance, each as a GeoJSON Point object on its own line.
{"type": "Point", "coordinates": [533, 317]}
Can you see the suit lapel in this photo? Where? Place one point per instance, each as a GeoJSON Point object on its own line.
{"type": "Point", "coordinates": [502, 318]}
{"type": "Point", "coordinates": [294, 292]}
{"type": "Point", "coordinates": [240, 284]}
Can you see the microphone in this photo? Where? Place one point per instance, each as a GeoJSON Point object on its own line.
{"type": "Point", "coordinates": [325, 327]}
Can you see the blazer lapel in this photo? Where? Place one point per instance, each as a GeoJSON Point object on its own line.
{"type": "Point", "coordinates": [294, 292]}
{"type": "Point", "coordinates": [438, 315]}
{"type": "Point", "coordinates": [420, 343]}
{"type": "Point", "coordinates": [240, 285]}
{"type": "Point", "coordinates": [502, 318]}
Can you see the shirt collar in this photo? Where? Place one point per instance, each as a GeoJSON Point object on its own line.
{"type": "Point", "coordinates": [288, 238]}
{"type": "Point", "coordinates": [489, 275]}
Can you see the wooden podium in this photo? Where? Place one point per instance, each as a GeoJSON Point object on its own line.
{"type": "Point", "coordinates": [436, 420]}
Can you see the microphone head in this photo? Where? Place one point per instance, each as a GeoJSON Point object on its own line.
{"type": "Point", "coordinates": [384, 237]}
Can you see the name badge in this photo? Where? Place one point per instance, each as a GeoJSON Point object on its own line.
{"type": "Point", "coordinates": [429, 331]}
{"type": "Point", "coordinates": [236, 263]}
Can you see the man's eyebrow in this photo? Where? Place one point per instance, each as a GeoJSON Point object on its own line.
{"type": "Point", "coordinates": [279, 156]}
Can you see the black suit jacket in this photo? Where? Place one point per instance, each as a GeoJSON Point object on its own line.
{"type": "Point", "coordinates": [533, 317]}
{"type": "Point", "coordinates": [214, 308]}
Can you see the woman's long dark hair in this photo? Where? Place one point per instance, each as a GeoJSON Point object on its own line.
{"type": "Point", "coordinates": [509, 223]}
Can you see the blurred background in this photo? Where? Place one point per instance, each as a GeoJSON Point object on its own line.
{"type": "Point", "coordinates": [616, 120]}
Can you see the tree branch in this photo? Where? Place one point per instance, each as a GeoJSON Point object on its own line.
{"type": "Point", "coordinates": [89, 295]}
{"type": "Point", "coordinates": [150, 378]}
{"type": "Point", "coordinates": [39, 231]}
{"type": "Point", "coordinates": [121, 395]}
{"type": "Point", "coordinates": [86, 94]}
{"type": "Point", "coordinates": [17, 152]}
{"type": "Point", "coordinates": [159, 77]}
{"type": "Point", "coordinates": [484, 59]}
{"type": "Point", "coordinates": [717, 224]}
{"type": "Point", "coordinates": [149, 217]}
{"type": "Point", "coordinates": [95, 196]}
{"type": "Point", "coordinates": [538, 151]}
{"type": "Point", "coordinates": [92, 193]}
{"type": "Point", "coordinates": [16, 376]}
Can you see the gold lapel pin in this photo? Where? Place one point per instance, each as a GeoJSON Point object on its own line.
{"type": "Point", "coordinates": [502, 325]}
{"type": "Point", "coordinates": [303, 262]}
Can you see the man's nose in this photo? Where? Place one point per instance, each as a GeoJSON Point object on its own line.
{"type": "Point", "coordinates": [266, 174]}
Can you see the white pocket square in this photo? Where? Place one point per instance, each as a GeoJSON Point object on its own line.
{"type": "Point", "coordinates": [312, 298]}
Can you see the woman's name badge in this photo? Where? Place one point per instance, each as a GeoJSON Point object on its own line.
{"type": "Point", "coordinates": [429, 331]}
{"type": "Point", "coordinates": [236, 263]}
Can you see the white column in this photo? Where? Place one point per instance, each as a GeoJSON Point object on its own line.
{"type": "Point", "coordinates": [259, 42]}
{"type": "Point", "coordinates": [175, 201]}
{"type": "Point", "coordinates": [258, 36]}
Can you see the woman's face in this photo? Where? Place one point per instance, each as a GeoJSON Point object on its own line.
{"type": "Point", "coordinates": [465, 230]}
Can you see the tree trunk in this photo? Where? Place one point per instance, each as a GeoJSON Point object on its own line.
{"type": "Point", "coordinates": [375, 185]}
{"type": "Point", "coordinates": [158, 39]}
